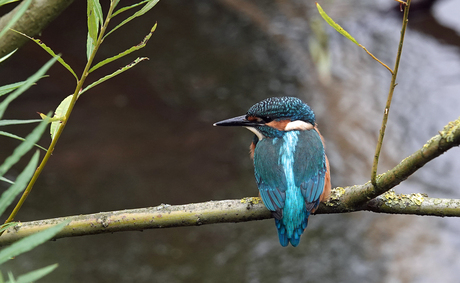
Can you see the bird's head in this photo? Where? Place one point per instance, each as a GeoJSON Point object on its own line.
{"type": "Point", "coordinates": [274, 116]}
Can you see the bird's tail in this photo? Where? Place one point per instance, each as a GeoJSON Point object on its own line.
{"type": "Point", "coordinates": [285, 237]}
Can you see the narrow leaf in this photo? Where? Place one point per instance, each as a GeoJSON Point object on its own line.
{"type": "Point", "coordinates": [22, 9]}
{"type": "Point", "coordinates": [128, 7]}
{"type": "Point", "coordinates": [4, 2]}
{"type": "Point", "coordinates": [117, 72]}
{"type": "Point", "coordinates": [51, 52]}
{"type": "Point", "coordinates": [98, 12]}
{"type": "Point", "coordinates": [30, 242]}
{"type": "Point", "coordinates": [7, 226]}
{"type": "Point", "coordinates": [6, 180]}
{"type": "Point", "coordinates": [21, 182]}
{"type": "Point", "coordinates": [11, 277]}
{"type": "Point", "coordinates": [9, 88]}
{"type": "Point", "coordinates": [8, 55]}
{"type": "Point", "coordinates": [126, 52]}
{"type": "Point", "coordinates": [36, 274]}
{"type": "Point", "coordinates": [60, 112]}
{"type": "Point", "coordinates": [335, 25]}
{"type": "Point", "coordinates": [93, 26]}
{"type": "Point", "coordinates": [18, 122]}
{"type": "Point", "coordinates": [23, 148]}
{"type": "Point", "coordinates": [149, 5]}
{"type": "Point", "coordinates": [30, 81]}
{"type": "Point", "coordinates": [10, 135]}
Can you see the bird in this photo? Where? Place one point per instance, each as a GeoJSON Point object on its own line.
{"type": "Point", "coordinates": [290, 165]}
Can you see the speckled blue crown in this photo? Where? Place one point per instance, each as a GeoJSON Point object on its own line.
{"type": "Point", "coordinates": [282, 107]}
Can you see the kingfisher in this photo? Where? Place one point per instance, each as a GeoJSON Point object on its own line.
{"type": "Point", "coordinates": [290, 164]}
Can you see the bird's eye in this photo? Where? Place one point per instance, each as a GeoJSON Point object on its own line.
{"type": "Point", "coordinates": [260, 120]}
{"type": "Point", "coordinates": [267, 119]}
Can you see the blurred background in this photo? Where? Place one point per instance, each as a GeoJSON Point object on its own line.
{"type": "Point", "coordinates": [146, 138]}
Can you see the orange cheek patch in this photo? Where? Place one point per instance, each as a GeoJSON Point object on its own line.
{"type": "Point", "coordinates": [279, 125]}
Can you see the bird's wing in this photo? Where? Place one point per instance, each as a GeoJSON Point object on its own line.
{"type": "Point", "coordinates": [270, 177]}
{"type": "Point", "coordinates": [310, 167]}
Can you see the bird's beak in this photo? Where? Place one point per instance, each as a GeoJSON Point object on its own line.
{"type": "Point", "coordinates": [237, 121]}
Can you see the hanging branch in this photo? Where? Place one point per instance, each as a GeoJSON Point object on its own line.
{"type": "Point", "coordinates": [97, 31]}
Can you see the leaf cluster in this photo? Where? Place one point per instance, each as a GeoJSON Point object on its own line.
{"type": "Point", "coordinates": [97, 32]}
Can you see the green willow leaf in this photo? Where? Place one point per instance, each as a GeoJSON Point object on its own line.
{"type": "Point", "coordinates": [4, 2]}
{"type": "Point", "coordinates": [51, 52]}
{"type": "Point", "coordinates": [24, 147]}
{"type": "Point", "coordinates": [98, 12]}
{"type": "Point", "coordinates": [29, 82]}
{"type": "Point", "coordinates": [335, 25]}
{"type": "Point", "coordinates": [149, 5]}
{"type": "Point", "coordinates": [15, 18]}
{"type": "Point", "coordinates": [30, 242]}
{"type": "Point", "coordinates": [94, 14]}
{"type": "Point", "coordinates": [18, 122]}
{"type": "Point", "coordinates": [10, 135]}
{"type": "Point", "coordinates": [142, 44]}
{"type": "Point", "coordinates": [21, 182]}
{"type": "Point", "coordinates": [7, 226]}
{"type": "Point", "coordinates": [60, 112]}
{"type": "Point", "coordinates": [9, 88]}
{"type": "Point", "coordinates": [36, 274]}
{"type": "Point", "coordinates": [11, 277]}
{"type": "Point", "coordinates": [6, 180]}
{"type": "Point", "coordinates": [117, 72]}
{"type": "Point", "coordinates": [128, 7]}
{"type": "Point", "coordinates": [8, 55]}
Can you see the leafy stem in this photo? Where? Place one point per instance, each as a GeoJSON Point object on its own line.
{"type": "Point", "coordinates": [66, 117]}
{"type": "Point", "coordinates": [343, 32]}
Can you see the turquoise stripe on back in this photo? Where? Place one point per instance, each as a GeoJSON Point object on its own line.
{"type": "Point", "coordinates": [294, 211]}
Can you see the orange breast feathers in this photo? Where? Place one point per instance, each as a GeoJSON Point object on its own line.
{"type": "Point", "coordinates": [327, 182]}
{"type": "Point", "coordinates": [252, 147]}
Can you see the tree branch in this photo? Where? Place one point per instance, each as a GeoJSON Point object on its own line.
{"type": "Point", "coordinates": [354, 198]}
{"type": "Point", "coordinates": [37, 17]}
{"type": "Point", "coordinates": [163, 216]}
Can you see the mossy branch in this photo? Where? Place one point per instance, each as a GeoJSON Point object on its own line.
{"type": "Point", "coordinates": [354, 198]}
{"type": "Point", "coordinates": [163, 216]}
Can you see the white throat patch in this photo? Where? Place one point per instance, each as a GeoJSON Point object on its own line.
{"type": "Point", "coordinates": [256, 132]}
{"type": "Point", "coordinates": [298, 125]}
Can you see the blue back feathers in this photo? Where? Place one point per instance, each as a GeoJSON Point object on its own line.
{"type": "Point", "coordinates": [290, 174]}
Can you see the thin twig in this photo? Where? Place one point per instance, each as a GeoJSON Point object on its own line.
{"type": "Point", "coordinates": [376, 59]}
{"type": "Point", "coordinates": [390, 96]}
{"type": "Point", "coordinates": [402, 2]}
